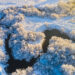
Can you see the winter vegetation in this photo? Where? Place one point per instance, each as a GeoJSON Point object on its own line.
{"type": "Point", "coordinates": [23, 71]}
{"type": "Point", "coordinates": [25, 44]}
{"type": "Point", "coordinates": [2, 70]}
{"type": "Point", "coordinates": [1, 42]}
{"type": "Point", "coordinates": [62, 9]}
{"type": "Point", "coordinates": [22, 37]}
{"type": "Point", "coordinates": [68, 69]}
{"type": "Point", "coordinates": [59, 60]}
{"type": "Point", "coordinates": [10, 19]}
{"type": "Point", "coordinates": [63, 50]}
{"type": "Point", "coordinates": [3, 55]}
{"type": "Point", "coordinates": [53, 62]}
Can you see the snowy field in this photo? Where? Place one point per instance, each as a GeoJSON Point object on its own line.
{"type": "Point", "coordinates": [37, 37]}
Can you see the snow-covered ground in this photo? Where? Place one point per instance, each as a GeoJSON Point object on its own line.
{"type": "Point", "coordinates": [25, 21]}
{"type": "Point", "coordinates": [8, 3]}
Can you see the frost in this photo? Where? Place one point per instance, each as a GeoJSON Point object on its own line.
{"type": "Point", "coordinates": [1, 42]}
{"type": "Point", "coordinates": [10, 19]}
{"type": "Point", "coordinates": [30, 11]}
{"type": "Point", "coordinates": [27, 71]}
{"type": "Point", "coordinates": [25, 44]}
{"type": "Point", "coordinates": [1, 15]}
{"type": "Point", "coordinates": [2, 71]}
{"type": "Point", "coordinates": [19, 72]}
{"type": "Point", "coordinates": [25, 41]}
{"type": "Point", "coordinates": [57, 43]}
{"type": "Point", "coordinates": [68, 69]}
{"type": "Point", "coordinates": [72, 33]}
{"type": "Point", "coordinates": [62, 50]}
{"type": "Point", "coordinates": [2, 33]}
{"type": "Point", "coordinates": [61, 9]}
{"type": "Point", "coordinates": [66, 7]}
{"type": "Point", "coordinates": [3, 56]}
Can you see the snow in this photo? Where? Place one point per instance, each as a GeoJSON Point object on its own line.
{"type": "Point", "coordinates": [62, 50]}
{"type": "Point", "coordinates": [37, 20]}
{"type": "Point", "coordinates": [26, 71]}
{"type": "Point", "coordinates": [2, 71]}
{"type": "Point", "coordinates": [3, 56]}
{"type": "Point", "coordinates": [26, 20]}
{"type": "Point", "coordinates": [25, 44]}
{"type": "Point", "coordinates": [37, 24]}
{"type": "Point", "coordinates": [58, 54]}
{"type": "Point", "coordinates": [68, 69]}
{"type": "Point", "coordinates": [8, 3]}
